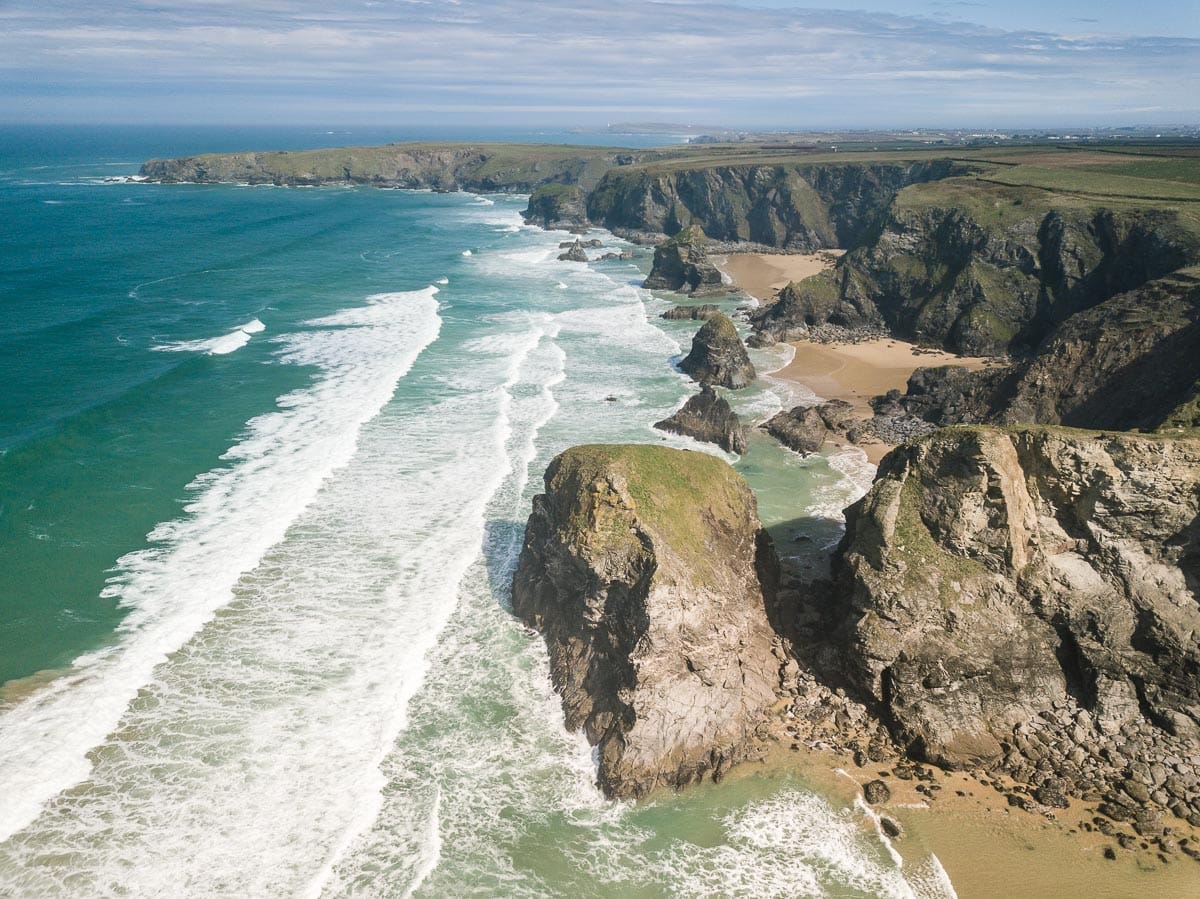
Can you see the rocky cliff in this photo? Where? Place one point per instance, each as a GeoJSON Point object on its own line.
{"type": "Point", "coordinates": [1133, 361]}
{"type": "Point", "coordinates": [557, 206]}
{"type": "Point", "coordinates": [986, 269]}
{"type": "Point", "coordinates": [1030, 599]}
{"type": "Point", "coordinates": [652, 582]}
{"type": "Point", "coordinates": [804, 207]}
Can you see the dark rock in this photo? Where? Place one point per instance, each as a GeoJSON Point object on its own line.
{"type": "Point", "coordinates": [806, 428]}
{"type": "Point", "coordinates": [891, 827]}
{"type": "Point", "coordinates": [560, 206]}
{"type": "Point", "coordinates": [680, 263]}
{"type": "Point", "coordinates": [575, 254]}
{"type": "Point", "coordinates": [652, 581]}
{"type": "Point", "coordinates": [1053, 792]}
{"type": "Point", "coordinates": [691, 313]}
{"type": "Point", "coordinates": [876, 792]}
{"type": "Point", "coordinates": [586, 244]}
{"type": "Point", "coordinates": [718, 355]}
{"type": "Point", "coordinates": [708, 417]}
{"type": "Point", "coordinates": [1110, 853]}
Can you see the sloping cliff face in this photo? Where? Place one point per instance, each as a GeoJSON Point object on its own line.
{"type": "Point", "coordinates": [1018, 596]}
{"type": "Point", "coordinates": [501, 167]}
{"type": "Point", "coordinates": [1131, 362]}
{"type": "Point", "coordinates": [650, 578]}
{"type": "Point", "coordinates": [800, 207]}
{"type": "Point", "coordinates": [985, 269]}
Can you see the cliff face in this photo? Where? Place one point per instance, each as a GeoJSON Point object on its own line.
{"type": "Point", "coordinates": [1013, 596]}
{"type": "Point", "coordinates": [800, 207]}
{"type": "Point", "coordinates": [1131, 362]}
{"type": "Point", "coordinates": [556, 205]}
{"type": "Point", "coordinates": [986, 269]}
{"type": "Point", "coordinates": [650, 578]}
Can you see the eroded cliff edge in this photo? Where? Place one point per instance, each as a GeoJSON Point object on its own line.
{"type": "Point", "coordinates": [654, 586]}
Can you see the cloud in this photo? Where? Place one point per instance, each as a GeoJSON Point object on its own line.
{"type": "Point", "coordinates": [577, 61]}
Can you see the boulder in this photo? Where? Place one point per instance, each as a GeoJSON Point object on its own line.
{"type": "Point", "coordinates": [718, 355]}
{"type": "Point", "coordinates": [876, 792]}
{"type": "Point", "coordinates": [708, 417]}
{"type": "Point", "coordinates": [653, 584]}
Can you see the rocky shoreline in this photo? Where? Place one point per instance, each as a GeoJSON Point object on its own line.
{"type": "Point", "coordinates": [1012, 604]}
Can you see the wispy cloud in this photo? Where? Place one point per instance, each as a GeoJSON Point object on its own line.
{"type": "Point", "coordinates": [584, 60]}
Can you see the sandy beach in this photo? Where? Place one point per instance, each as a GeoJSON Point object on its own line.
{"type": "Point", "coordinates": [762, 275]}
{"type": "Point", "coordinates": [853, 372]}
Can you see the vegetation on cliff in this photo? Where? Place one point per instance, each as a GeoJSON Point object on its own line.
{"type": "Point", "coordinates": [652, 582]}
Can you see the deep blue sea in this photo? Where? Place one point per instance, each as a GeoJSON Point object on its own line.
{"type": "Point", "coordinates": [266, 456]}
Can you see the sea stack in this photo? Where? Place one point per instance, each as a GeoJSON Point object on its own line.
{"type": "Point", "coordinates": [682, 264]}
{"type": "Point", "coordinates": [652, 582]}
{"type": "Point", "coordinates": [718, 355]}
{"type": "Point", "coordinates": [707, 416]}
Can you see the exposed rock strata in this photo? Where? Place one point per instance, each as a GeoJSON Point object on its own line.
{"type": "Point", "coordinates": [650, 578]}
{"type": "Point", "coordinates": [1028, 600]}
{"type": "Point", "coordinates": [804, 207]}
{"type": "Point", "coordinates": [718, 355]}
{"type": "Point", "coordinates": [708, 417]}
{"type": "Point", "coordinates": [682, 264]}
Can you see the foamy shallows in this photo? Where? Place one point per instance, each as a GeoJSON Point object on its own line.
{"type": "Point", "coordinates": [318, 689]}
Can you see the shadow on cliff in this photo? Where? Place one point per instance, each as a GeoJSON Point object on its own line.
{"type": "Point", "coordinates": [502, 542]}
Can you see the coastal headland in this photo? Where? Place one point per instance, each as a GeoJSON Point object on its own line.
{"type": "Point", "coordinates": [1013, 610]}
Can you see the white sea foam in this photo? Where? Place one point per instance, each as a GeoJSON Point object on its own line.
{"type": "Point", "coordinates": [442, 281]}
{"type": "Point", "coordinates": [215, 346]}
{"type": "Point", "coordinates": [466, 252]}
{"type": "Point", "coordinates": [236, 514]}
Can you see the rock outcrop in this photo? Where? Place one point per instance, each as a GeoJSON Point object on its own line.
{"type": "Point", "coordinates": [691, 313]}
{"type": "Point", "coordinates": [1131, 362]}
{"type": "Point", "coordinates": [681, 263]}
{"type": "Point", "coordinates": [652, 582]}
{"type": "Point", "coordinates": [707, 416]}
{"type": "Point", "coordinates": [718, 355]}
{"type": "Point", "coordinates": [986, 269]}
{"type": "Point", "coordinates": [574, 254]}
{"type": "Point", "coordinates": [557, 206]}
{"type": "Point", "coordinates": [806, 428]}
{"type": "Point", "coordinates": [1029, 599]}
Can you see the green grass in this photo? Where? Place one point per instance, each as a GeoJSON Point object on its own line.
{"type": "Point", "coordinates": [680, 496]}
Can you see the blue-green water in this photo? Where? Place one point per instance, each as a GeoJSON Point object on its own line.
{"type": "Point", "coordinates": [267, 455]}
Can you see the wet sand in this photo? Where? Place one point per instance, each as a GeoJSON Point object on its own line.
{"type": "Point", "coordinates": [990, 850]}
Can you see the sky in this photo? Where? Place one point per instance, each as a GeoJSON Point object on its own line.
{"type": "Point", "coordinates": [753, 64]}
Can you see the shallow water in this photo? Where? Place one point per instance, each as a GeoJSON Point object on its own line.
{"type": "Point", "coordinates": [260, 580]}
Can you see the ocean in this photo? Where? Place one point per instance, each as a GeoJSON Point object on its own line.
{"type": "Point", "coordinates": [266, 456]}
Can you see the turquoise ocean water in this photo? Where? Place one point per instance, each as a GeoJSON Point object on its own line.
{"type": "Point", "coordinates": [265, 460]}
